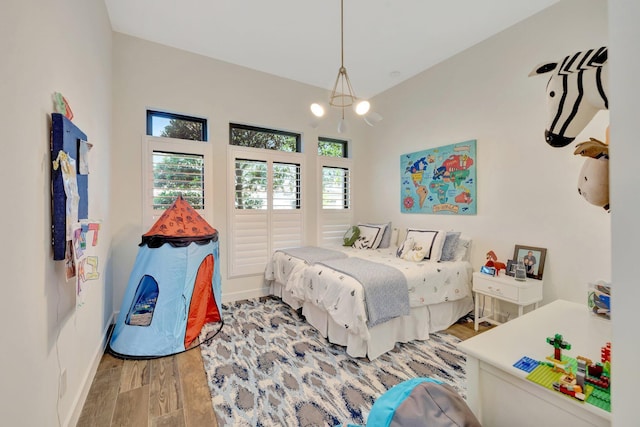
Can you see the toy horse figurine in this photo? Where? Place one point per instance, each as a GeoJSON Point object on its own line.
{"type": "Point", "coordinates": [492, 261]}
{"type": "Point", "coordinates": [576, 91]}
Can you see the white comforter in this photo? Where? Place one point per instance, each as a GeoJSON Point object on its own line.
{"type": "Point", "coordinates": [343, 297]}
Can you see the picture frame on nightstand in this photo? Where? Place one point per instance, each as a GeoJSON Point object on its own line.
{"type": "Point", "coordinates": [511, 268]}
{"type": "Point", "coordinates": [533, 259]}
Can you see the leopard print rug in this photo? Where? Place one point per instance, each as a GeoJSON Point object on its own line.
{"type": "Point", "coordinates": [268, 367]}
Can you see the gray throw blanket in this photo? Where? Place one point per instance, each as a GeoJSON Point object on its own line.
{"type": "Point", "coordinates": [313, 254]}
{"type": "Point", "coordinates": [385, 287]}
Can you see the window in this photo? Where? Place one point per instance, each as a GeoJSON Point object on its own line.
{"type": "Point", "coordinates": [169, 125]}
{"type": "Point", "coordinates": [171, 167]}
{"type": "Point", "coordinates": [334, 210]}
{"type": "Point", "coordinates": [174, 162]}
{"type": "Point", "coordinates": [332, 147]}
{"type": "Point", "coordinates": [265, 198]}
{"type": "Point", "coordinates": [335, 187]}
{"type": "Point", "coordinates": [250, 184]}
{"type": "Point", "coordinates": [270, 139]}
{"type": "Point", "coordinates": [177, 173]}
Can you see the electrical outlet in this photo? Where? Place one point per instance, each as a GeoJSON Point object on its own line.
{"type": "Point", "coordinates": [62, 385]}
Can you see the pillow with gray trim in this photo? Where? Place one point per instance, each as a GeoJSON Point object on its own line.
{"type": "Point", "coordinates": [369, 238]}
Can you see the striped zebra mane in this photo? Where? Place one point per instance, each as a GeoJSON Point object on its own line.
{"type": "Point", "coordinates": [582, 61]}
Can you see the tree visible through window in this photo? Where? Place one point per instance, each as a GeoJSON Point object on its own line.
{"type": "Point", "coordinates": [251, 176]}
{"type": "Point", "coordinates": [177, 163]}
{"type": "Point", "coordinates": [178, 126]}
{"type": "Point", "coordinates": [335, 188]}
{"type": "Point", "coordinates": [332, 147]}
{"type": "Point", "coordinates": [177, 173]}
{"type": "Point", "coordinates": [270, 139]}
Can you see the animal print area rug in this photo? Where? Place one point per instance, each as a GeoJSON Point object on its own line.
{"type": "Point", "coordinates": [268, 367]}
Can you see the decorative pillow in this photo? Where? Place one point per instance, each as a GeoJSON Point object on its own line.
{"type": "Point", "coordinates": [386, 237]}
{"type": "Point", "coordinates": [430, 240]}
{"type": "Point", "coordinates": [351, 236]}
{"type": "Point", "coordinates": [450, 245]}
{"type": "Point", "coordinates": [463, 250]}
{"type": "Point", "coordinates": [369, 238]}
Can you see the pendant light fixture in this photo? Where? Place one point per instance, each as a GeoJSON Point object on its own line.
{"type": "Point", "coordinates": [343, 95]}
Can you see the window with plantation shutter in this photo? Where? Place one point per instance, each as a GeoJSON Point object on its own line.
{"type": "Point", "coordinates": [335, 188]}
{"type": "Point", "coordinates": [335, 215]}
{"type": "Point", "coordinates": [177, 173]}
{"type": "Point", "coordinates": [250, 184]}
{"type": "Point", "coordinates": [265, 207]}
{"type": "Point", "coordinates": [171, 167]}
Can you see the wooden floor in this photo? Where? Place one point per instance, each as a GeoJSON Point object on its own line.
{"type": "Point", "coordinates": [170, 391]}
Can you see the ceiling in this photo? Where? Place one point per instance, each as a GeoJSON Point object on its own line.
{"type": "Point", "coordinates": [385, 41]}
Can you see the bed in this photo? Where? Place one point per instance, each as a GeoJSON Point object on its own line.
{"type": "Point", "coordinates": [334, 302]}
{"type": "Point", "coordinates": [286, 269]}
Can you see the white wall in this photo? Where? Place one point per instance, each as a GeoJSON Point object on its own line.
{"type": "Point", "coordinates": [60, 46]}
{"type": "Point", "coordinates": [149, 75]}
{"type": "Point", "coordinates": [41, 332]}
{"type": "Point", "coordinates": [526, 189]}
{"type": "Point", "coordinates": [625, 150]}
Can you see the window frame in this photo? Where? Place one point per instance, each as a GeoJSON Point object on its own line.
{"type": "Point", "coordinates": [164, 114]}
{"type": "Point", "coordinates": [344, 143]}
{"type": "Point", "coordinates": [296, 135]}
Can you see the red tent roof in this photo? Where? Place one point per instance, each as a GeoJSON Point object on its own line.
{"type": "Point", "coordinates": [179, 225]}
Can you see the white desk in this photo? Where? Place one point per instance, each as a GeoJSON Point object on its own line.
{"type": "Point", "coordinates": [500, 395]}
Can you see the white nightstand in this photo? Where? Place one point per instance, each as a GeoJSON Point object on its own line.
{"type": "Point", "coordinates": [505, 288]}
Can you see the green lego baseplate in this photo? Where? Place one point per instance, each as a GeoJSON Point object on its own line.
{"type": "Point", "coordinates": [545, 375]}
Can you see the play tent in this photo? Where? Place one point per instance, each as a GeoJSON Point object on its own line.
{"type": "Point", "coordinates": [174, 288]}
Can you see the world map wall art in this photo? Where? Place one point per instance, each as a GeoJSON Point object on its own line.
{"type": "Point", "coordinates": [439, 180]}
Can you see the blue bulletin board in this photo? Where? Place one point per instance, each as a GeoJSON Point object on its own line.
{"type": "Point", "coordinates": [439, 180]}
{"type": "Point", "coordinates": [66, 137]}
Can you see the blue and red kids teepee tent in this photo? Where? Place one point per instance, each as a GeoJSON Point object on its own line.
{"type": "Point", "coordinates": [174, 288]}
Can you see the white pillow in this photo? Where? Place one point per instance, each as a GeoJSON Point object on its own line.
{"type": "Point", "coordinates": [430, 240]}
{"type": "Point", "coordinates": [370, 236]}
{"type": "Point", "coordinates": [386, 234]}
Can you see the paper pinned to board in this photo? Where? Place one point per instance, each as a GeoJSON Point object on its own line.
{"type": "Point", "coordinates": [83, 154]}
{"type": "Point", "coordinates": [68, 167]}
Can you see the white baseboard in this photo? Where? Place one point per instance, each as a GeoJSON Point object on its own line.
{"type": "Point", "coordinates": [253, 293]}
{"type": "Point", "coordinates": [81, 397]}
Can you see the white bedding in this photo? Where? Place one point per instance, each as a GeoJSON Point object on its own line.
{"type": "Point", "coordinates": [285, 274]}
{"type": "Point", "coordinates": [342, 297]}
{"type": "Point", "coordinates": [334, 303]}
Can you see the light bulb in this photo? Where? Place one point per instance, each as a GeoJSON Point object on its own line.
{"type": "Point", "coordinates": [317, 109]}
{"type": "Point", "coordinates": [362, 107]}
{"type": "Point", "coordinates": [342, 126]}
